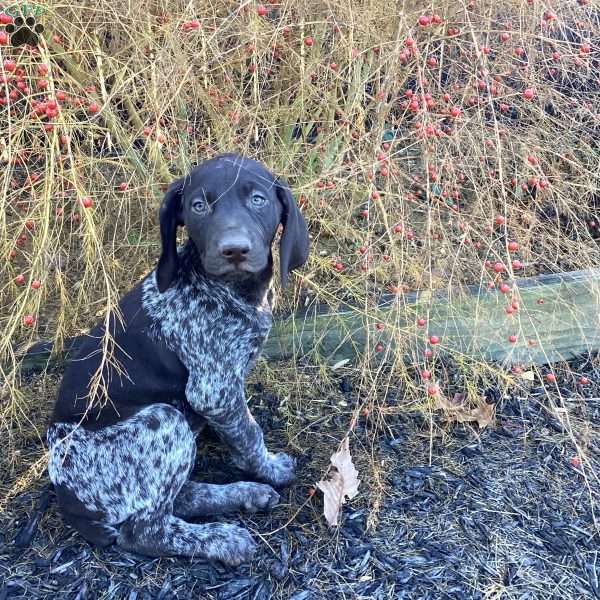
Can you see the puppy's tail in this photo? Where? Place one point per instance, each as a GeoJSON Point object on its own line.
{"type": "Point", "coordinates": [26, 533]}
{"type": "Point", "coordinates": [38, 356]}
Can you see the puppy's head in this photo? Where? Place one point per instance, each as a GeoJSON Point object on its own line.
{"type": "Point", "coordinates": [231, 207]}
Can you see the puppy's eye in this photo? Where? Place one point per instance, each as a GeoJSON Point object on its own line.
{"type": "Point", "coordinates": [258, 200]}
{"type": "Point", "coordinates": [199, 205]}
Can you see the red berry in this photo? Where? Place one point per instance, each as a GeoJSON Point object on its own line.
{"type": "Point", "coordinates": [432, 390]}
{"type": "Point", "coordinates": [434, 339]}
{"type": "Point", "coordinates": [532, 159]}
{"type": "Point", "coordinates": [512, 339]}
{"type": "Point", "coordinates": [528, 93]}
{"type": "Point", "coordinates": [425, 374]}
{"type": "Point", "coordinates": [504, 288]}
{"type": "Point", "coordinates": [551, 377]}
{"type": "Point", "coordinates": [123, 186]}
{"type": "Point", "coordinates": [421, 322]}
{"type": "Point", "coordinates": [575, 461]}
{"type": "Point", "coordinates": [378, 348]}
{"type": "Point", "coordinates": [5, 19]}
{"type": "Point", "coordinates": [9, 65]}
{"type": "Point", "coordinates": [455, 111]}
{"type": "Point", "coordinates": [424, 20]}
{"type": "Point", "coordinates": [498, 267]}
{"type": "Point", "coordinates": [308, 41]}
{"type": "Point", "coordinates": [20, 279]}
{"type": "Point", "coordinates": [28, 320]}
{"type": "Point", "coordinates": [427, 352]}
{"type": "Point", "coordinates": [261, 10]}
{"type": "Point", "coordinates": [584, 380]}
{"type": "Point", "coordinates": [513, 246]}
{"type": "Point", "coordinates": [87, 202]}
{"type": "Point", "coordinates": [380, 326]}
{"type": "Point", "coordinates": [93, 108]}
{"type": "Point", "coordinates": [3, 38]}
{"type": "Point", "coordinates": [516, 264]}
{"type": "Point", "coordinates": [35, 284]}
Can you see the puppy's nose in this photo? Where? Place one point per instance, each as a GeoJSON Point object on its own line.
{"type": "Point", "coordinates": [235, 250]}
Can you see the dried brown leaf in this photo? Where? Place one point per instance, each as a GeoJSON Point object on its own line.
{"type": "Point", "coordinates": [343, 482]}
{"type": "Point", "coordinates": [456, 411]}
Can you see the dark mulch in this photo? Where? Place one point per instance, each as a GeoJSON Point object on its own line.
{"type": "Point", "coordinates": [443, 512]}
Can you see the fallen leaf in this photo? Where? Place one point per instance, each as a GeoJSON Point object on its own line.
{"type": "Point", "coordinates": [343, 482]}
{"type": "Point", "coordinates": [528, 375]}
{"type": "Point", "coordinates": [483, 414]}
{"type": "Point", "coordinates": [456, 411]}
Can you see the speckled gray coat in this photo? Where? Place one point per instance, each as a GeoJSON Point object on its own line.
{"type": "Point", "coordinates": [217, 335]}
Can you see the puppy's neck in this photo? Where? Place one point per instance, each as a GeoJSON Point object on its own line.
{"type": "Point", "coordinates": [253, 288]}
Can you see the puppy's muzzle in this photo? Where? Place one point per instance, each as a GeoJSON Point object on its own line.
{"type": "Point", "coordinates": [234, 248]}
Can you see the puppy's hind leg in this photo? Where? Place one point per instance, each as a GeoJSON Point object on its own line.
{"type": "Point", "coordinates": [166, 535]}
{"type": "Point", "coordinates": [119, 485]}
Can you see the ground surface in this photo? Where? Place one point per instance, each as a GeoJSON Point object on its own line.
{"type": "Point", "coordinates": [449, 512]}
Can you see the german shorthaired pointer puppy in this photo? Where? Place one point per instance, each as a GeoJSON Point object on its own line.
{"type": "Point", "coordinates": [191, 331]}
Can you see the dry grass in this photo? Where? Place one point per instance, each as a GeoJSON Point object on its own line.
{"type": "Point", "coordinates": [398, 196]}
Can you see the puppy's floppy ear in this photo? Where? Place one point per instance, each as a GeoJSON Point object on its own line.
{"type": "Point", "coordinates": [170, 216]}
{"type": "Point", "coordinates": [294, 244]}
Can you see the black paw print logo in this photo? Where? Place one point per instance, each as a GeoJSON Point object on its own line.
{"type": "Point", "coordinates": [24, 31]}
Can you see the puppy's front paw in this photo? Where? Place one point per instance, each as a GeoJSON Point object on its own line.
{"type": "Point", "coordinates": [256, 496]}
{"type": "Point", "coordinates": [231, 545]}
{"type": "Point", "coordinates": [278, 469]}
